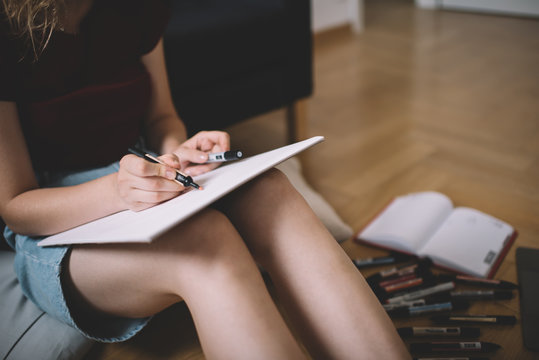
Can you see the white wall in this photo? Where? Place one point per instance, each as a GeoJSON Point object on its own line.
{"type": "Point", "coordinates": [510, 7]}
{"type": "Point", "coordinates": [327, 14]}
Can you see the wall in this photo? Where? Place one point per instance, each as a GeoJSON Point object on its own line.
{"type": "Point", "coordinates": [327, 14]}
{"type": "Point", "coordinates": [512, 7]}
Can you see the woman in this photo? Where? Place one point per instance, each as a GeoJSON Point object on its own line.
{"type": "Point", "coordinates": [80, 81]}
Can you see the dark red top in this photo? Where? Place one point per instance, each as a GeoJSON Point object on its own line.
{"type": "Point", "coordinates": [82, 103]}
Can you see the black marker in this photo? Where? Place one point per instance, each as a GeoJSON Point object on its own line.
{"type": "Point", "coordinates": [418, 294]}
{"type": "Point", "coordinates": [470, 280]}
{"type": "Point", "coordinates": [475, 295]}
{"type": "Point", "coordinates": [224, 156]}
{"type": "Point", "coordinates": [401, 285]}
{"type": "Point", "coordinates": [445, 332]}
{"type": "Point", "coordinates": [452, 358]}
{"type": "Point", "coordinates": [181, 178]}
{"type": "Point", "coordinates": [464, 346]}
{"type": "Point", "coordinates": [408, 311]}
{"type": "Point", "coordinates": [475, 319]}
{"type": "Point", "coordinates": [405, 285]}
{"type": "Point", "coordinates": [392, 258]}
{"type": "Point", "coordinates": [421, 266]}
{"type": "Point", "coordinates": [416, 302]}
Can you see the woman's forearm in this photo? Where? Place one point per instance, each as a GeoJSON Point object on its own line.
{"type": "Point", "coordinates": [48, 211]}
{"type": "Point", "coordinates": [164, 129]}
{"type": "Point", "coordinates": [166, 134]}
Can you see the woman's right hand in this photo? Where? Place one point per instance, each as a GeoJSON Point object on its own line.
{"type": "Point", "coordinates": [142, 184]}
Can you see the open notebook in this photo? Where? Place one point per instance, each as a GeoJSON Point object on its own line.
{"type": "Point", "coordinates": [146, 225]}
{"type": "Point", "coordinates": [426, 224]}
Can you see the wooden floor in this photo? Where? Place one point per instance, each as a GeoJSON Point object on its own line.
{"type": "Point", "coordinates": [421, 100]}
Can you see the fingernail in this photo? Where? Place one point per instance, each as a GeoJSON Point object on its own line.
{"type": "Point", "coordinates": [188, 172]}
{"type": "Point", "coordinates": [202, 157]}
{"type": "Point", "coordinates": [170, 174]}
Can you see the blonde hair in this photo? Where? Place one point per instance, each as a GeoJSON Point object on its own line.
{"type": "Point", "coordinates": [34, 21]}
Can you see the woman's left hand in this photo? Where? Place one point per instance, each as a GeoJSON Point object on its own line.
{"type": "Point", "coordinates": [193, 153]}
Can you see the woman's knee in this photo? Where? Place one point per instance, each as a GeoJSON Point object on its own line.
{"type": "Point", "coordinates": [257, 209]}
{"type": "Point", "coordinates": [207, 240]}
{"type": "Point", "coordinates": [203, 233]}
{"type": "Point", "coordinates": [273, 184]}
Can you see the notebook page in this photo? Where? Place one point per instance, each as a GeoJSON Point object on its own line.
{"type": "Point", "coordinates": [143, 226]}
{"type": "Point", "coordinates": [408, 221]}
{"type": "Point", "coordinates": [469, 241]}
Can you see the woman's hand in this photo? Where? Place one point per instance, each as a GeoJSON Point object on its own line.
{"type": "Point", "coordinates": [193, 153]}
{"type": "Point", "coordinates": [142, 184]}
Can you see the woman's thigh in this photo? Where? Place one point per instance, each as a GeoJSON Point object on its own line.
{"type": "Point", "coordinates": [275, 219]}
{"type": "Point", "coordinates": [139, 280]}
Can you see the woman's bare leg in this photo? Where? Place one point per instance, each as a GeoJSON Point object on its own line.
{"type": "Point", "coordinates": [203, 261]}
{"type": "Point", "coordinates": [325, 296]}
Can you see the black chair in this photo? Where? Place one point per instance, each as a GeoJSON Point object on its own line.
{"type": "Point", "coordinates": [231, 60]}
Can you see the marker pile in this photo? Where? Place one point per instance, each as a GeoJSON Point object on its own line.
{"type": "Point", "coordinates": [411, 290]}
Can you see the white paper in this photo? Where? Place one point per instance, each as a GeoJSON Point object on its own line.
{"type": "Point", "coordinates": [146, 225]}
{"type": "Point", "coordinates": [409, 221]}
{"type": "Point", "coordinates": [469, 241]}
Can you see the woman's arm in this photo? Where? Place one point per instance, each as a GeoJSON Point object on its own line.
{"type": "Point", "coordinates": [165, 131]}
{"type": "Point", "coordinates": [139, 184]}
{"type": "Point", "coordinates": [28, 209]}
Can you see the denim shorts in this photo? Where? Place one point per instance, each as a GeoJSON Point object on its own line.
{"type": "Point", "coordinates": [39, 270]}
